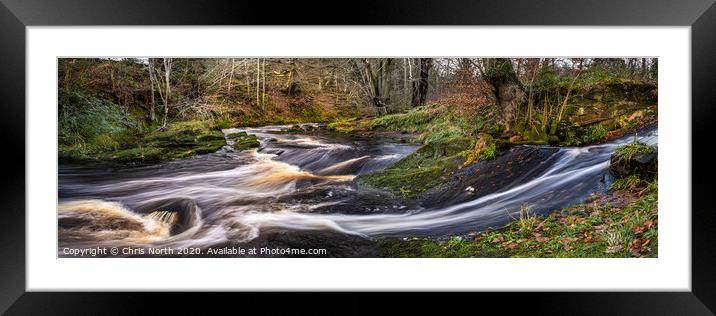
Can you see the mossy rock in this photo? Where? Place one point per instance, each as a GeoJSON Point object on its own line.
{"type": "Point", "coordinates": [212, 135]}
{"type": "Point", "coordinates": [423, 169]}
{"type": "Point", "coordinates": [294, 129]}
{"type": "Point", "coordinates": [634, 159]}
{"type": "Point", "coordinates": [233, 136]}
{"type": "Point", "coordinates": [209, 147]}
{"type": "Point", "coordinates": [246, 142]}
{"type": "Point", "coordinates": [184, 154]}
{"type": "Point", "coordinates": [139, 154]}
{"type": "Point", "coordinates": [445, 147]}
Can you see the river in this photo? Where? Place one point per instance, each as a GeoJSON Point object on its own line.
{"type": "Point", "coordinates": [300, 185]}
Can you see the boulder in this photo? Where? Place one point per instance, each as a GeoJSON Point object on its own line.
{"type": "Point", "coordinates": [642, 165]}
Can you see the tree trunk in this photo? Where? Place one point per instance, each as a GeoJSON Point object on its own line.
{"type": "Point", "coordinates": [420, 86]}
{"type": "Point", "coordinates": [507, 89]}
{"type": "Point", "coordinates": [231, 76]}
{"type": "Point", "coordinates": [378, 81]}
{"type": "Point", "coordinates": [150, 67]}
{"type": "Point", "coordinates": [168, 93]}
{"type": "Point", "coordinates": [263, 81]}
{"type": "Point", "coordinates": [258, 86]}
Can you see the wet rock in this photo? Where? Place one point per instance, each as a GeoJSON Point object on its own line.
{"type": "Point", "coordinates": [519, 164]}
{"type": "Point", "coordinates": [643, 165]}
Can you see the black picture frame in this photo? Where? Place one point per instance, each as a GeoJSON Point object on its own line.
{"type": "Point", "coordinates": [16, 15]}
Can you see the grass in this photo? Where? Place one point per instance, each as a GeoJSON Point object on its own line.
{"type": "Point", "coordinates": [625, 183]}
{"type": "Point", "coordinates": [413, 121]}
{"type": "Point", "coordinates": [628, 151]}
{"type": "Point", "coordinates": [603, 226]}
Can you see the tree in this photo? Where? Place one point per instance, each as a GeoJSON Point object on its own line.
{"type": "Point", "coordinates": [375, 74]}
{"type": "Point", "coordinates": [420, 86]}
{"type": "Point", "coordinates": [159, 78]}
{"type": "Point", "coordinates": [506, 87]}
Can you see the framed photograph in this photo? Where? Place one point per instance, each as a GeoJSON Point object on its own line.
{"type": "Point", "coordinates": [473, 147]}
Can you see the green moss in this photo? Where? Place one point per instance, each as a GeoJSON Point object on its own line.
{"type": "Point", "coordinates": [209, 147]}
{"type": "Point", "coordinates": [246, 142]}
{"type": "Point", "coordinates": [421, 170]}
{"type": "Point", "coordinates": [210, 136]}
{"type": "Point", "coordinates": [343, 126]}
{"type": "Point", "coordinates": [233, 136]}
{"type": "Point", "coordinates": [139, 154]}
{"type": "Point", "coordinates": [176, 141]}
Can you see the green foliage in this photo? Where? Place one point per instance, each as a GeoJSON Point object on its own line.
{"type": "Point", "coordinates": [593, 133]}
{"type": "Point", "coordinates": [485, 149]}
{"type": "Point", "coordinates": [88, 124]}
{"type": "Point", "coordinates": [489, 152]}
{"type": "Point", "coordinates": [587, 135]}
{"type": "Point", "coordinates": [502, 68]}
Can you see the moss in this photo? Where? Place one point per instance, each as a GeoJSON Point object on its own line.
{"type": "Point", "coordinates": [421, 170]}
{"type": "Point", "coordinates": [246, 142]}
{"type": "Point", "coordinates": [344, 126]}
{"type": "Point", "coordinates": [176, 141]}
{"type": "Point", "coordinates": [210, 136]}
{"type": "Point", "coordinates": [139, 154]}
{"type": "Point", "coordinates": [209, 147]}
{"type": "Point", "coordinates": [233, 136]}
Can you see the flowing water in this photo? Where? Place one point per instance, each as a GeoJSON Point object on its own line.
{"type": "Point", "coordinates": [294, 183]}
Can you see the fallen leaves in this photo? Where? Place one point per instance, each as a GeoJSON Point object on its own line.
{"type": "Point", "coordinates": [639, 246]}
{"type": "Point", "coordinates": [539, 238]}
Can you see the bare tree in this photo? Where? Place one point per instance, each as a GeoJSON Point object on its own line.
{"type": "Point", "coordinates": [375, 74]}
{"type": "Point", "coordinates": [163, 82]}
{"type": "Point", "coordinates": [420, 86]}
